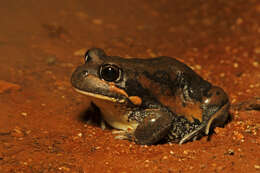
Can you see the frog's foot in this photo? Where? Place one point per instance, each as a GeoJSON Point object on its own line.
{"type": "Point", "coordinates": [123, 135]}
{"type": "Point", "coordinates": [218, 119]}
{"type": "Point", "coordinates": [97, 122]}
{"type": "Point", "coordinates": [193, 135]}
{"type": "Point", "coordinates": [92, 116]}
{"type": "Point", "coordinates": [103, 124]}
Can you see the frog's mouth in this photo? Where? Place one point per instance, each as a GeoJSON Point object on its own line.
{"type": "Point", "coordinates": [99, 96]}
{"type": "Point", "coordinates": [133, 99]}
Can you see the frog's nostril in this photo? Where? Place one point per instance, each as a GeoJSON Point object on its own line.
{"type": "Point", "coordinates": [84, 73]}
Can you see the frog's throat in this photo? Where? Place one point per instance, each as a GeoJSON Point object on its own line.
{"type": "Point", "coordinates": [99, 96]}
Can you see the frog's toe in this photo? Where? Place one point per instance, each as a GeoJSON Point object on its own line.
{"type": "Point", "coordinates": [195, 138]}
{"type": "Point", "coordinates": [122, 135]}
{"type": "Point", "coordinates": [193, 135]}
{"type": "Point", "coordinates": [218, 119]}
{"type": "Point", "coordinates": [115, 131]}
{"type": "Point", "coordinates": [103, 124]}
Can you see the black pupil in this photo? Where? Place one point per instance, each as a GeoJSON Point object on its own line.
{"type": "Point", "coordinates": [110, 73]}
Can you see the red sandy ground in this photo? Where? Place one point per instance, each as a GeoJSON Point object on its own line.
{"type": "Point", "coordinates": [42, 42]}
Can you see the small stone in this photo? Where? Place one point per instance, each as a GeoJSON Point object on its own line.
{"type": "Point", "coordinates": [230, 152]}
{"type": "Point", "coordinates": [7, 86]}
{"type": "Point", "coordinates": [239, 21]}
{"type": "Point", "coordinates": [165, 157]}
{"type": "Point", "coordinates": [28, 132]}
{"type": "Point", "coordinates": [257, 50]}
{"type": "Point", "coordinates": [97, 21]}
{"type": "Point", "coordinates": [222, 75]}
{"type": "Point", "coordinates": [24, 114]}
{"type": "Point", "coordinates": [255, 64]}
{"type": "Point", "coordinates": [251, 86]}
{"type": "Point", "coordinates": [235, 65]}
{"type": "Point", "coordinates": [198, 67]}
{"type": "Point", "coordinates": [220, 131]}
{"type": "Point", "coordinates": [185, 152]}
{"type": "Point", "coordinates": [63, 168]}
{"type": "Point", "coordinates": [17, 132]}
{"type": "Point", "coordinates": [51, 60]}
{"type": "Point", "coordinates": [257, 166]}
{"type": "Point", "coordinates": [238, 136]}
{"type": "Point", "coordinates": [202, 166]}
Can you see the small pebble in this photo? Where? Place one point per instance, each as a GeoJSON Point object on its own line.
{"type": "Point", "coordinates": [257, 50]}
{"type": "Point", "coordinates": [185, 152]}
{"type": "Point", "coordinates": [222, 74]}
{"type": "Point", "coordinates": [24, 114]}
{"type": "Point", "coordinates": [198, 67]}
{"type": "Point", "coordinates": [255, 64]}
{"type": "Point", "coordinates": [239, 21]}
{"type": "Point", "coordinates": [230, 152]}
{"type": "Point", "coordinates": [97, 21]}
{"type": "Point", "coordinates": [257, 166]}
{"type": "Point", "coordinates": [165, 157]}
{"type": "Point", "coordinates": [63, 168]}
{"type": "Point", "coordinates": [51, 60]}
{"type": "Point", "coordinates": [7, 86]}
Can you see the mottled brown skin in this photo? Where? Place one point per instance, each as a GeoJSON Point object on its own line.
{"type": "Point", "coordinates": [151, 100]}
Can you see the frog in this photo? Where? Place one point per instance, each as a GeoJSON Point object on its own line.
{"type": "Point", "coordinates": [150, 100]}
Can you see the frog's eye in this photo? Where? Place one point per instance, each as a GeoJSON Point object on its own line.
{"type": "Point", "coordinates": [110, 73]}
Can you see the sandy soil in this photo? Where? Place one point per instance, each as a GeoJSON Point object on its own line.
{"type": "Point", "coordinates": [42, 42]}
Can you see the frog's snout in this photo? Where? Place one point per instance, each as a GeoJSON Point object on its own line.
{"type": "Point", "coordinates": [78, 76]}
{"type": "Point", "coordinates": [216, 105]}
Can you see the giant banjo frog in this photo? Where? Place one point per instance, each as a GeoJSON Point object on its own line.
{"type": "Point", "coordinates": [151, 100]}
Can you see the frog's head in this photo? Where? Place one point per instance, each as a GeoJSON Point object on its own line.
{"type": "Point", "coordinates": [102, 77]}
{"type": "Point", "coordinates": [215, 108]}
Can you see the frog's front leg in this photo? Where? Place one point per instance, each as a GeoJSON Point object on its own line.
{"type": "Point", "coordinates": [154, 127]}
